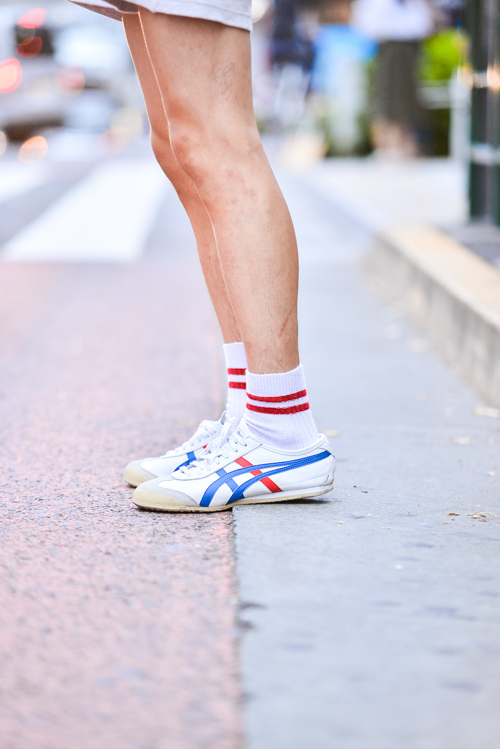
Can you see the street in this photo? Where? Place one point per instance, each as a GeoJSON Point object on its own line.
{"type": "Point", "coordinates": [365, 619]}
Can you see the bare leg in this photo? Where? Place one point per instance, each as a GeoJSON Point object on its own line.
{"type": "Point", "coordinates": [394, 139]}
{"type": "Point", "coordinates": [203, 72]}
{"type": "Point", "coordinates": [186, 190]}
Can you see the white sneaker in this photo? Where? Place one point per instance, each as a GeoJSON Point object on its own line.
{"type": "Point", "coordinates": [238, 469]}
{"type": "Point", "coordinates": [152, 468]}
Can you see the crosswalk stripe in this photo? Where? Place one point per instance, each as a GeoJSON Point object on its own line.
{"type": "Point", "coordinates": [16, 179]}
{"type": "Point", "coordinates": [105, 218]}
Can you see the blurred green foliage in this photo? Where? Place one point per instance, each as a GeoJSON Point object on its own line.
{"type": "Point", "coordinates": [442, 54]}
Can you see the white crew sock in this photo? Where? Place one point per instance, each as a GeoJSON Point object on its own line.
{"type": "Point", "coordinates": [236, 364]}
{"type": "Point", "coordinates": [278, 411]}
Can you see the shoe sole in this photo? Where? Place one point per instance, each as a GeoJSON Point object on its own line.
{"type": "Point", "coordinates": [161, 503]}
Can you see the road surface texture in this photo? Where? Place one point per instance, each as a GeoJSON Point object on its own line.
{"type": "Point", "coordinates": [367, 619]}
{"type": "Point", "coordinates": [117, 625]}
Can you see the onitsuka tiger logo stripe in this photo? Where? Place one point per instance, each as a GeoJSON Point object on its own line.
{"type": "Point", "coordinates": [190, 457]}
{"type": "Point", "coordinates": [267, 482]}
{"type": "Point", "coordinates": [265, 470]}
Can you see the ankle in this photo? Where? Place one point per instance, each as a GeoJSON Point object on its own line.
{"type": "Point", "coordinates": [277, 410]}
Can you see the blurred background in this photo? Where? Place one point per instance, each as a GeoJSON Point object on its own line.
{"type": "Point", "coordinates": [391, 81]}
{"type": "Point", "coordinates": [322, 67]}
{"type": "Point", "coordinates": [67, 87]}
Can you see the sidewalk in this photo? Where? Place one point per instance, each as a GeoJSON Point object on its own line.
{"type": "Point", "coordinates": [382, 194]}
{"type": "Point", "coordinates": [373, 614]}
{"type": "Point", "coordinates": [444, 273]}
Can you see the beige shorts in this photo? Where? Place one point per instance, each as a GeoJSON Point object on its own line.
{"type": "Point", "coordinates": [229, 12]}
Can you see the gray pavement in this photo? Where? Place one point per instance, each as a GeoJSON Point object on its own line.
{"type": "Point", "coordinates": [372, 616]}
{"type": "Point", "coordinates": [369, 619]}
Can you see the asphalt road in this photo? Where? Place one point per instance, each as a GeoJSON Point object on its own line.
{"type": "Point", "coordinates": [367, 619]}
{"type": "Point", "coordinates": [118, 626]}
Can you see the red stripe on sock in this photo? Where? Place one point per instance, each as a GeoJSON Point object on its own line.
{"type": "Point", "coordinates": [289, 410]}
{"type": "Point", "coordinates": [280, 398]}
{"type": "Point", "coordinates": [266, 481]}
{"type": "Point", "coordinates": [238, 385]}
{"type": "Point", "coordinates": [236, 371]}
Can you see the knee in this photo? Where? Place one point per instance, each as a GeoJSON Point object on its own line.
{"type": "Point", "coordinates": [162, 149]}
{"type": "Point", "coordinates": [187, 149]}
{"type": "Point", "coordinates": [164, 154]}
{"type": "Point", "coordinates": [209, 151]}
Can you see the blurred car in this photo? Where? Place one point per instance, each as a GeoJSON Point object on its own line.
{"type": "Point", "coordinates": [59, 67]}
{"type": "Point", "coordinates": [29, 97]}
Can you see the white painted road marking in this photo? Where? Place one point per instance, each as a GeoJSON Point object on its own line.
{"type": "Point", "coordinates": [16, 179]}
{"type": "Point", "coordinates": [105, 218]}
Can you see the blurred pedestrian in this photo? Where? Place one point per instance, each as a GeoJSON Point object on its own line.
{"type": "Point", "coordinates": [292, 56]}
{"type": "Point", "coordinates": [290, 43]}
{"type": "Point", "coordinates": [193, 63]}
{"type": "Point", "coordinates": [398, 26]}
{"type": "Point", "coordinates": [340, 78]}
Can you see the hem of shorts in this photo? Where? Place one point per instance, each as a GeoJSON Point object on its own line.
{"type": "Point", "coordinates": [104, 10]}
{"type": "Point", "coordinates": [175, 8]}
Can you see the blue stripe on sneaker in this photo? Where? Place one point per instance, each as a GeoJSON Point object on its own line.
{"type": "Point", "coordinates": [230, 482]}
{"type": "Point", "coordinates": [268, 469]}
{"type": "Point", "coordinates": [191, 457]}
{"type": "Point", "coordinates": [239, 493]}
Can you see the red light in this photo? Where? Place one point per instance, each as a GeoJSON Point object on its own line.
{"type": "Point", "coordinates": [10, 75]}
{"type": "Point", "coordinates": [30, 47]}
{"type": "Point", "coordinates": [32, 19]}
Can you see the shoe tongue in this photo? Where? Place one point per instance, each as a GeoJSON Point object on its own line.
{"type": "Point", "coordinates": [243, 430]}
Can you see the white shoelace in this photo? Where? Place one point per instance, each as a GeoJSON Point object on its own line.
{"type": "Point", "coordinates": [228, 444]}
{"type": "Point", "coordinates": [204, 434]}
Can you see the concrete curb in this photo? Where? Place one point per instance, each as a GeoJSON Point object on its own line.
{"type": "Point", "coordinates": [451, 293]}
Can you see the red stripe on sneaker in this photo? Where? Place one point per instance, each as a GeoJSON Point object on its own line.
{"type": "Point", "coordinates": [280, 398]}
{"type": "Point", "coordinates": [266, 481]}
{"type": "Point", "coordinates": [288, 410]}
{"type": "Point", "coordinates": [238, 385]}
{"type": "Point", "coordinates": [236, 371]}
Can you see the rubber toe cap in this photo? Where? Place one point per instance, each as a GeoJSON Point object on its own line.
{"type": "Point", "coordinates": [152, 496]}
{"type": "Point", "coordinates": [135, 474]}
